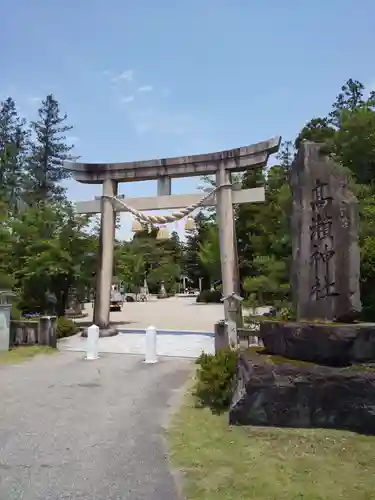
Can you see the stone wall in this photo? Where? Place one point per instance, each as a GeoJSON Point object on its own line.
{"type": "Point", "coordinates": [41, 332]}
{"type": "Point", "coordinates": [330, 344]}
{"type": "Point", "coordinates": [285, 395]}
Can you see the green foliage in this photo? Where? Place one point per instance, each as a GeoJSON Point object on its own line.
{"type": "Point", "coordinates": [215, 379]}
{"type": "Point", "coordinates": [192, 265]}
{"type": "Point", "coordinates": [65, 327]}
{"type": "Point", "coordinates": [147, 257]}
{"type": "Point", "coordinates": [210, 296]}
{"type": "Point", "coordinates": [209, 252]}
{"type": "Point", "coordinates": [15, 313]}
{"type": "Point", "coordinates": [287, 314]}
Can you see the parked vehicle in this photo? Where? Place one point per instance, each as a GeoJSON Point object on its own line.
{"type": "Point", "coordinates": [116, 301]}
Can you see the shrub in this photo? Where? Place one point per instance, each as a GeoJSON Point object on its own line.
{"type": "Point", "coordinates": [210, 296]}
{"type": "Point", "coordinates": [286, 314]}
{"type": "Point", "coordinates": [65, 327]}
{"type": "Point", "coordinates": [215, 379]}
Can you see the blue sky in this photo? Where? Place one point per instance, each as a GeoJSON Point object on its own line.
{"type": "Point", "coordinates": [155, 78]}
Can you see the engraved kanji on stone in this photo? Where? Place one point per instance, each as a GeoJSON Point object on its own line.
{"type": "Point", "coordinates": [322, 255]}
{"type": "Point", "coordinates": [320, 199]}
{"type": "Point", "coordinates": [323, 288]}
{"type": "Point", "coordinates": [321, 227]}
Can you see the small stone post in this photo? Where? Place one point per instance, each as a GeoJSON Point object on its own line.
{"type": "Point", "coordinates": [5, 308]}
{"type": "Point", "coordinates": [47, 331]}
{"type": "Point", "coordinates": [233, 300]}
{"type": "Point", "coordinates": [92, 352]}
{"type": "Point", "coordinates": [221, 336]}
{"type": "Point", "coordinates": [150, 355]}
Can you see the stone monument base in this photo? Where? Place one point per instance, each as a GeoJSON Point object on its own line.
{"type": "Point", "coordinates": [332, 344]}
{"type": "Point", "coordinates": [285, 394]}
{"type": "Point", "coordinates": [103, 332]}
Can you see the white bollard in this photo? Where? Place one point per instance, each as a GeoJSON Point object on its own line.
{"type": "Point", "coordinates": [92, 350]}
{"type": "Point", "coordinates": [150, 355]}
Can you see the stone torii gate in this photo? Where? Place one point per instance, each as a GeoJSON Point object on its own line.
{"type": "Point", "coordinates": [221, 163]}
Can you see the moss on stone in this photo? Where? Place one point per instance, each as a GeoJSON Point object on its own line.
{"type": "Point", "coordinates": [254, 351]}
{"type": "Point", "coordinates": [277, 319]}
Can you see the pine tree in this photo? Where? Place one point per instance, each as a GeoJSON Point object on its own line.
{"type": "Point", "coordinates": [48, 153]}
{"type": "Point", "coordinates": [192, 265]}
{"type": "Point", "coordinates": [13, 150]}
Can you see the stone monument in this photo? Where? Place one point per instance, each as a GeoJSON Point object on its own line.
{"type": "Point", "coordinates": [326, 258]}
{"type": "Point", "coordinates": [324, 391]}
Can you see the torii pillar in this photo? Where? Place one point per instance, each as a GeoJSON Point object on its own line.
{"type": "Point", "coordinates": [106, 248]}
{"type": "Point", "coordinates": [221, 164]}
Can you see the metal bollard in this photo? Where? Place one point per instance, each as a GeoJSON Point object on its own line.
{"type": "Point", "coordinates": [150, 340]}
{"type": "Point", "coordinates": [92, 343]}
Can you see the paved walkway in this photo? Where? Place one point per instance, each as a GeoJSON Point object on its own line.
{"type": "Point", "coordinates": [75, 430]}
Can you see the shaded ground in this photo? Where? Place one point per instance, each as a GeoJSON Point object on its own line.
{"type": "Point", "coordinates": [75, 429]}
{"type": "Point", "coordinates": [255, 463]}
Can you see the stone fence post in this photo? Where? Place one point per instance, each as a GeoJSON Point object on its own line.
{"type": "Point", "coordinates": [47, 331]}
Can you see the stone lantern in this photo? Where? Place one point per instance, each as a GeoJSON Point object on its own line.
{"type": "Point", "coordinates": [6, 298]}
{"type": "Point", "coordinates": [190, 224]}
{"type": "Point", "coordinates": [163, 233]}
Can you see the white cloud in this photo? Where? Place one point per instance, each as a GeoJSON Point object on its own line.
{"type": "Point", "coordinates": [127, 99]}
{"type": "Point", "coordinates": [124, 76]}
{"type": "Point", "coordinates": [145, 88]}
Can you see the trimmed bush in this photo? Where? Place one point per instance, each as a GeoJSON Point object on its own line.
{"type": "Point", "coordinates": [65, 327]}
{"type": "Point", "coordinates": [210, 296]}
{"type": "Point", "coordinates": [215, 379]}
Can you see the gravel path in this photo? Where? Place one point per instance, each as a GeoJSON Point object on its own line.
{"type": "Point", "coordinates": [174, 314]}
{"type": "Point", "coordinates": [73, 429]}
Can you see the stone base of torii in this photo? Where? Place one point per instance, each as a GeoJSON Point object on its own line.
{"type": "Point", "coordinates": [221, 164]}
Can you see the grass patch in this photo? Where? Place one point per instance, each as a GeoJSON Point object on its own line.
{"type": "Point", "coordinates": [23, 353]}
{"type": "Point", "coordinates": [250, 463]}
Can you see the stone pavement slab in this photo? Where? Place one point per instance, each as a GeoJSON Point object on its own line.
{"type": "Point", "coordinates": [73, 429]}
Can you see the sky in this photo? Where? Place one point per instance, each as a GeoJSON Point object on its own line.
{"type": "Point", "coordinates": [142, 79]}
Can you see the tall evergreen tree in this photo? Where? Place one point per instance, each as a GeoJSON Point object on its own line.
{"type": "Point", "coordinates": [192, 265]}
{"type": "Point", "coordinates": [48, 153]}
{"type": "Point", "coordinates": [13, 150]}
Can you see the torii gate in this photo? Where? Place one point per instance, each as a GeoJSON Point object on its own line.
{"type": "Point", "coordinates": [221, 163]}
